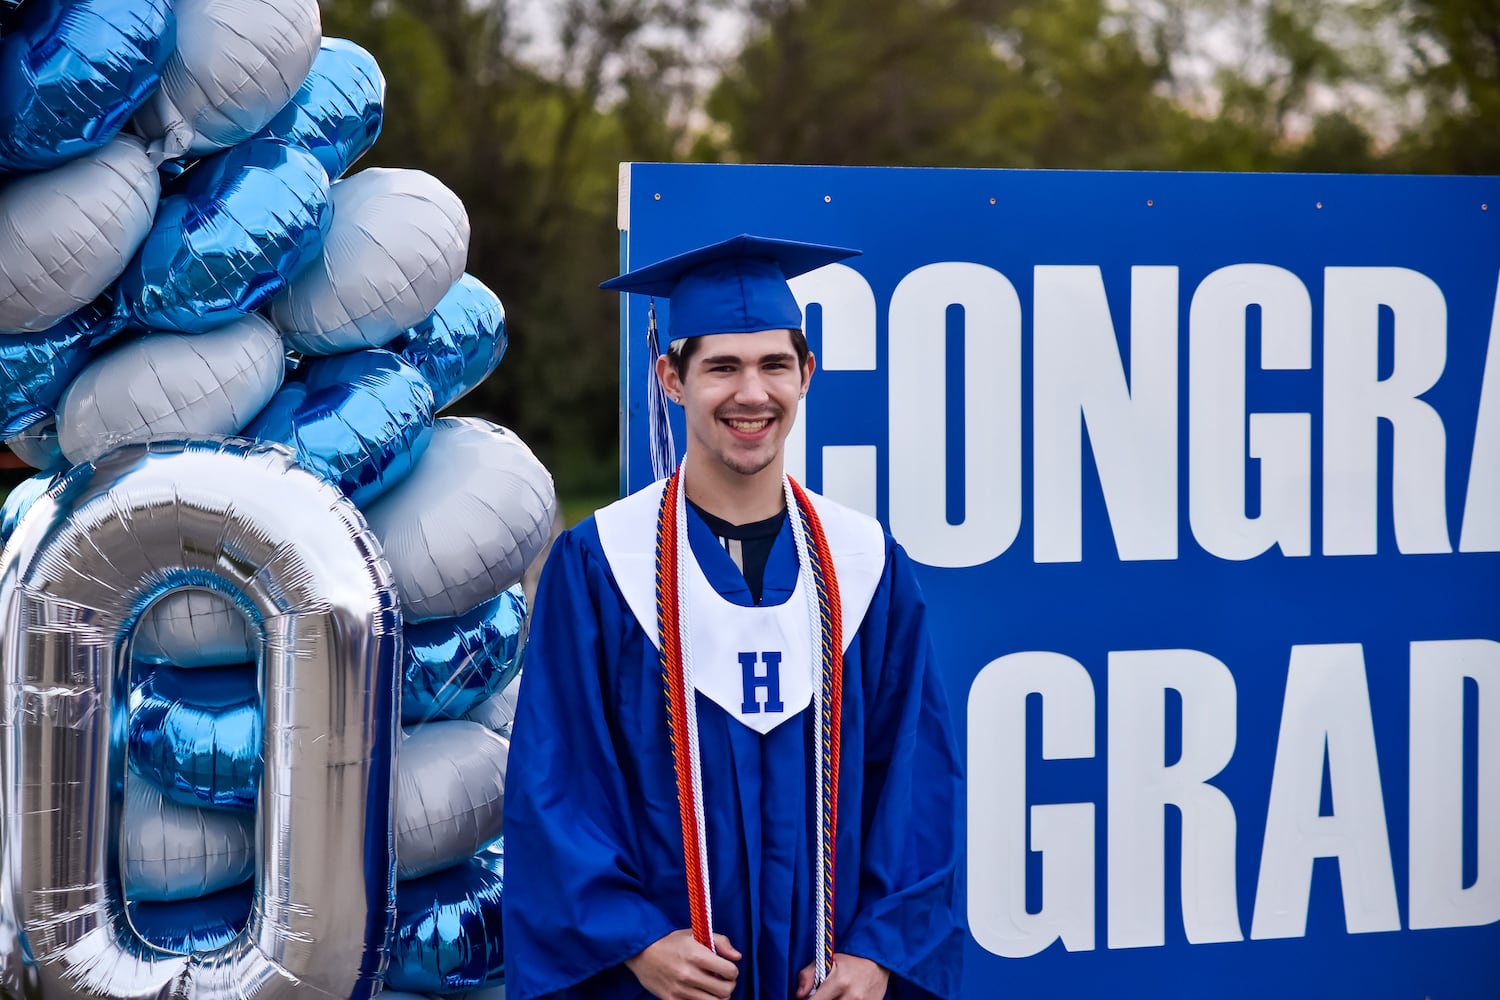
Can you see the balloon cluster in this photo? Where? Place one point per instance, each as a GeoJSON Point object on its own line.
{"type": "Point", "coordinates": [183, 254]}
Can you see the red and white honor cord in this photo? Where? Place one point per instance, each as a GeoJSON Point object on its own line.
{"type": "Point", "coordinates": [820, 583]}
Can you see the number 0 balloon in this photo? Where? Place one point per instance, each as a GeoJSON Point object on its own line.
{"type": "Point", "coordinates": [85, 562]}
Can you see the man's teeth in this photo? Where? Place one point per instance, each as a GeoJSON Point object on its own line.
{"type": "Point", "coordinates": [749, 426]}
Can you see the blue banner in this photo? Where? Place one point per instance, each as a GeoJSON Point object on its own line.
{"type": "Point", "coordinates": [1202, 475]}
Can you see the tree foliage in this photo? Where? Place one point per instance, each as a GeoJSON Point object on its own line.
{"type": "Point", "coordinates": [526, 110]}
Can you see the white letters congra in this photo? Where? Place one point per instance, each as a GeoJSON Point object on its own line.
{"type": "Point", "coordinates": [1193, 443]}
{"type": "Point", "coordinates": [1079, 383]}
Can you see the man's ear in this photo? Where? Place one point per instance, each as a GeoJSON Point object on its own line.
{"type": "Point", "coordinates": [670, 381]}
{"type": "Point", "coordinates": [807, 371]}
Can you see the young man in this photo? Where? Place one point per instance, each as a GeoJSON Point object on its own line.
{"type": "Point", "coordinates": [732, 770]}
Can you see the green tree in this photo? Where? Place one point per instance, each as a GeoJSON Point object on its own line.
{"type": "Point", "coordinates": [528, 130]}
{"type": "Point", "coordinates": [1169, 84]}
{"type": "Point", "coordinates": [940, 82]}
{"type": "Point", "coordinates": [1454, 48]}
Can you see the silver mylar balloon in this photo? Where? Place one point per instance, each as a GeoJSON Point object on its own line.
{"type": "Point", "coordinates": [228, 237]}
{"type": "Point", "coordinates": [173, 851]}
{"type": "Point", "coordinates": [70, 231]}
{"type": "Point", "coordinates": [38, 445]}
{"type": "Point", "coordinates": [236, 64]}
{"type": "Point", "coordinates": [207, 923]}
{"type": "Point", "coordinates": [450, 795]}
{"type": "Point", "coordinates": [360, 420]}
{"type": "Point", "coordinates": [197, 734]}
{"type": "Point", "coordinates": [73, 71]}
{"type": "Point", "coordinates": [337, 113]}
{"type": "Point", "coordinates": [448, 930]}
{"type": "Point", "coordinates": [460, 343]}
{"type": "Point", "coordinates": [451, 665]}
{"type": "Point", "coordinates": [92, 554]}
{"type": "Point", "coordinates": [398, 242]}
{"type": "Point", "coordinates": [194, 628]}
{"type": "Point", "coordinates": [498, 711]}
{"type": "Point", "coordinates": [171, 384]}
{"type": "Point", "coordinates": [35, 368]}
{"type": "Point", "coordinates": [463, 527]}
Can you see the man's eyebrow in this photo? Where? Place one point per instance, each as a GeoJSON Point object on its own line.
{"type": "Point", "coordinates": [735, 359]}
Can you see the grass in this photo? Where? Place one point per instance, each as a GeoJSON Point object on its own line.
{"type": "Point", "coordinates": [580, 505]}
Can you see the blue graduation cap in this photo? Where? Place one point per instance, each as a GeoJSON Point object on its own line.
{"type": "Point", "coordinates": [735, 286]}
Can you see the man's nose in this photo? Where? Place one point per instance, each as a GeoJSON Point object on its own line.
{"type": "Point", "coordinates": [752, 387]}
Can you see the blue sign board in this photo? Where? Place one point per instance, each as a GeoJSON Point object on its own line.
{"type": "Point", "coordinates": [1202, 476]}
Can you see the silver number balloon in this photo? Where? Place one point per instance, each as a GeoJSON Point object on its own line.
{"type": "Point", "coordinates": [85, 563]}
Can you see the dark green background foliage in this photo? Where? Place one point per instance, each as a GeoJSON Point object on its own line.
{"type": "Point", "coordinates": [526, 107]}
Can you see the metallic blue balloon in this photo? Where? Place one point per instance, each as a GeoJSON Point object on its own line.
{"type": "Point", "coordinates": [337, 113]}
{"type": "Point", "coordinates": [73, 71]}
{"type": "Point", "coordinates": [448, 931]}
{"type": "Point", "coordinates": [20, 499]}
{"type": "Point", "coordinates": [201, 924]}
{"type": "Point", "coordinates": [360, 420]}
{"type": "Point", "coordinates": [35, 368]}
{"type": "Point", "coordinates": [197, 734]}
{"type": "Point", "coordinates": [460, 343]}
{"type": "Point", "coordinates": [453, 664]}
{"type": "Point", "coordinates": [39, 445]}
{"type": "Point", "coordinates": [228, 237]}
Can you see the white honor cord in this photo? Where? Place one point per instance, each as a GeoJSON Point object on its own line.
{"type": "Point", "coordinates": [815, 622]}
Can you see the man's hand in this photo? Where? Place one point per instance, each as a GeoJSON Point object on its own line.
{"type": "Point", "coordinates": [851, 978]}
{"type": "Point", "coordinates": [677, 967]}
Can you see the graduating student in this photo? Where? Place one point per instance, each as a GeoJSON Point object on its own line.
{"type": "Point", "coordinates": [732, 770]}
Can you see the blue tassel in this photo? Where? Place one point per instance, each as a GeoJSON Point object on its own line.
{"type": "Point", "coordinates": [663, 448]}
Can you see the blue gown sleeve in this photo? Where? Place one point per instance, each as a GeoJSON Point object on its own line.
{"type": "Point", "coordinates": [910, 882]}
{"type": "Point", "coordinates": [574, 908]}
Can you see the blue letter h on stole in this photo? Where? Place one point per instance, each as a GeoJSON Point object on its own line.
{"type": "Point", "coordinates": [754, 679]}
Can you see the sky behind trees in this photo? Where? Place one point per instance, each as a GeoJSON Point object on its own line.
{"type": "Point", "coordinates": [526, 107]}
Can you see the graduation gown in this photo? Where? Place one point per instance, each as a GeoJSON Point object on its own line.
{"type": "Point", "coordinates": [594, 862]}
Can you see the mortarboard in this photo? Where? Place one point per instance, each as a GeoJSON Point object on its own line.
{"type": "Point", "coordinates": [735, 286]}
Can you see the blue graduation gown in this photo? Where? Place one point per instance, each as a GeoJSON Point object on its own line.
{"type": "Point", "coordinates": [594, 866]}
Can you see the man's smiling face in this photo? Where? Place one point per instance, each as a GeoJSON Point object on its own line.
{"type": "Point", "coordinates": [739, 393]}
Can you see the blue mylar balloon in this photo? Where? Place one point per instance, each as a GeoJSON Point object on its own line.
{"type": "Point", "coordinates": [453, 664]}
{"type": "Point", "coordinates": [39, 446]}
{"type": "Point", "coordinates": [448, 930]}
{"type": "Point", "coordinates": [196, 734]}
{"type": "Point", "coordinates": [202, 924]}
{"type": "Point", "coordinates": [20, 499]}
{"type": "Point", "coordinates": [35, 368]}
{"type": "Point", "coordinates": [337, 113]}
{"type": "Point", "coordinates": [73, 71]}
{"type": "Point", "coordinates": [360, 420]}
{"type": "Point", "coordinates": [228, 237]}
{"type": "Point", "coordinates": [460, 343]}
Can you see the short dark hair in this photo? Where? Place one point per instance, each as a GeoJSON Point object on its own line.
{"type": "Point", "coordinates": [680, 352]}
